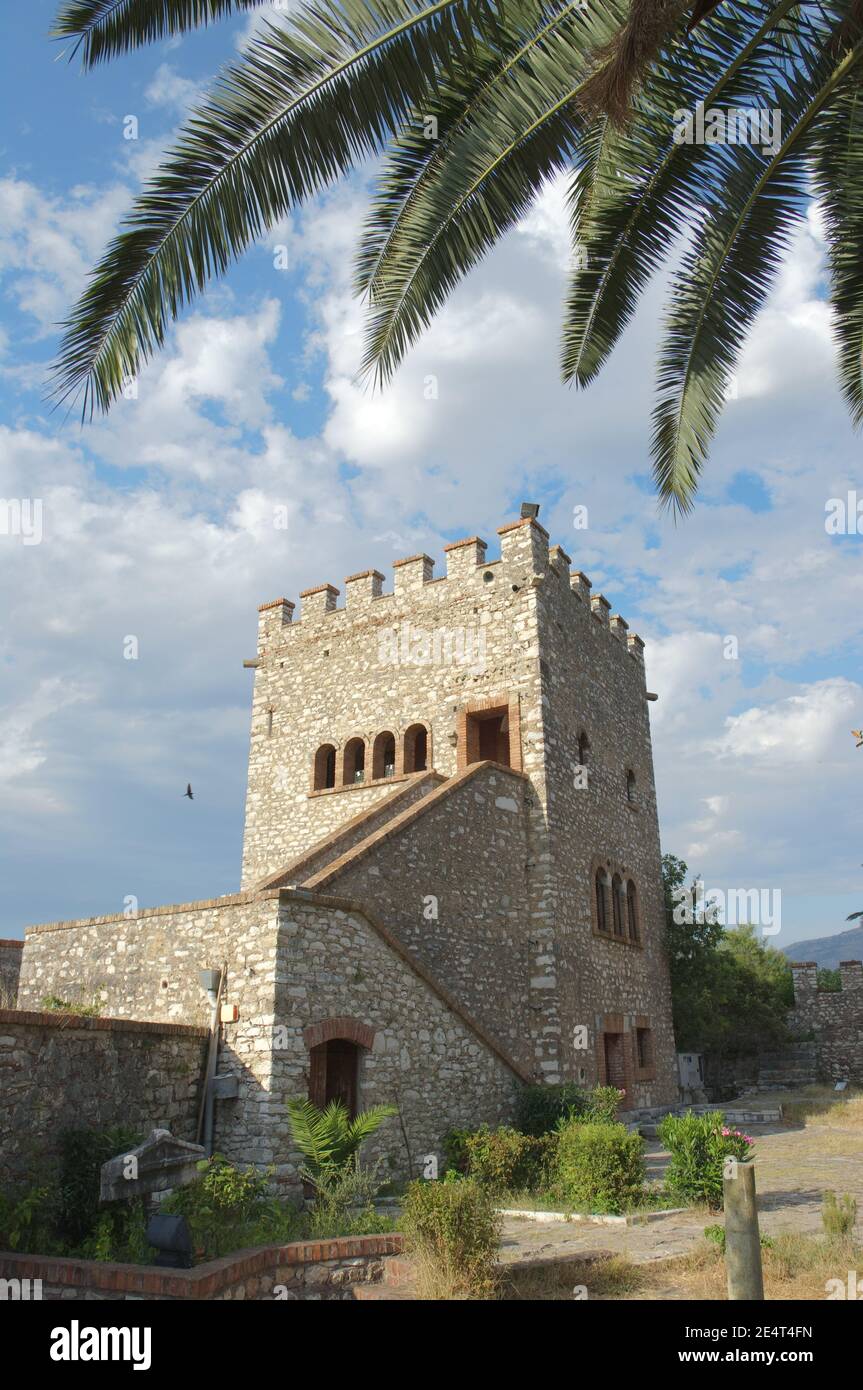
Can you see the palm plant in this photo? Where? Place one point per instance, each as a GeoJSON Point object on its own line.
{"type": "Point", "coordinates": [329, 1139]}
{"type": "Point", "coordinates": [471, 106]}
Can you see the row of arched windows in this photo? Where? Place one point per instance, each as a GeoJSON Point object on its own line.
{"type": "Point", "coordinates": [585, 762]}
{"type": "Point", "coordinates": [371, 759]}
{"type": "Point", "coordinates": [615, 900]}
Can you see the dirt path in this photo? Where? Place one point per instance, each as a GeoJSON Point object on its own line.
{"type": "Point", "coordinates": [794, 1167]}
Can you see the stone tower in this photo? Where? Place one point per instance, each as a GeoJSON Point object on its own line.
{"type": "Point", "coordinates": [551, 927]}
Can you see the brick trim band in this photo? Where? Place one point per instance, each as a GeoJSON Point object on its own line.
{"type": "Point", "coordinates": [351, 1029]}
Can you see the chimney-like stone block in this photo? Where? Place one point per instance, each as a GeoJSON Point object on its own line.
{"type": "Point", "coordinates": [805, 977]}
{"type": "Point", "coordinates": [581, 585]}
{"type": "Point", "coordinates": [412, 573]}
{"type": "Point", "coordinates": [600, 608]}
{"type": "Point", "coordinates": [463, 557]}
{"type": "Point", "coordinates": [851, 975]}
{"type": "Point", "coordinates": [619, 627]}
{"type": "Point", "coordinates": [525, 542]}
{"type": "Point", "coordinates": [318, 602]}
{"type": "Point", "coordinates": [635, 646]}
{"type": "Point", "coordinates": [272, 618]}
{"type": "Point", "coordinates": [361, 589]}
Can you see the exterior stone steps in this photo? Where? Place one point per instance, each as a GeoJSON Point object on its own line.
{"type": "Point", "coordinates": [343, 839]}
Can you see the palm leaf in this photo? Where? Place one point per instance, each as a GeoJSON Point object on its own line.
{"type": "Point", "coordinates": [305, 103]}
{"type": "Point", "coordinates": [105, 28]}
{"type": "Point", "coordinates": [414, 162]}
{"type": "Point", "coordinates": [838, 180]}
{"type": "Point", "coordinates": [525, 128]}
{"type": "Point", "coordinates": [726, 275]}
{"type": "Point", "coordinates": [635, 189]}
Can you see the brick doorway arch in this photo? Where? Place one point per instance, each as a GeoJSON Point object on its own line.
{"type": "Point", "coordinates": [336, 1048]}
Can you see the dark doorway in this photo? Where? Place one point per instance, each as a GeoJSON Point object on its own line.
{"type": "Point", "coordinates": [334, 1074]}
{"type": "Point", "coordinates": [615, 1071]}
{"type": "Point", "coordinates": [488, 737]}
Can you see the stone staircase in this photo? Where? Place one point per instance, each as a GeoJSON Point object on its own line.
{"type": "Point", "coordinates": [341, 841]}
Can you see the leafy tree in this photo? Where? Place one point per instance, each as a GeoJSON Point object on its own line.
{"type": "Point", "coordinates": [472, 105]}
{"type": "Point", "coordinates": [730, 992]}
{"type": "Point", "coordinates": [830, 981]}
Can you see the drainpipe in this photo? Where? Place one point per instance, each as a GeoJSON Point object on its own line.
{"type": "Point", "coordinates": [213, 982]}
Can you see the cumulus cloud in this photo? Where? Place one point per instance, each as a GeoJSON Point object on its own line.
{"type": "Point", "coordinates": [163, 523]}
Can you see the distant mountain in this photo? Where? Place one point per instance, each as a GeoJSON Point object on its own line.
{"type": "Point", "coordinates": [829, 950]}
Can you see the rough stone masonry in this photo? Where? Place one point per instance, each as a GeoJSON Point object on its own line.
{"type": "Point", "coordinates": [451, 865]}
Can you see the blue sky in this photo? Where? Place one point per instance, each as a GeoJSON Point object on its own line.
{"type": "Point", "coordinates": [158, 522]}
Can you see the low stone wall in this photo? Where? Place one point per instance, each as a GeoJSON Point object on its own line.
{"type": "Point", "coordinates": [832, 1018]}
{"type": "Point", "coordinates": [60, 1070]}
{"type": "Point", "coordinates": [10, 969]}
{"type": "Point", "coordinates": [728, 1076]}
{"type": "Point", "coordinates": [303, 1270]}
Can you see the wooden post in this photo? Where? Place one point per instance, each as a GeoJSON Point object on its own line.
{"type": "Point", "coordinates": [742, 1241]}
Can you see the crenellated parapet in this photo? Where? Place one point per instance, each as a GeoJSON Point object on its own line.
{"type": "Point", "coordinates": [527, 559]}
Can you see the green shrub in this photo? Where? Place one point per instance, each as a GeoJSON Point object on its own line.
{"type": "Point", "coordinates": [229, 1208]}
{"type": "Point", "coordinates": [600, 1167]}
{"type": "Point", "coordinates": [453, 1233]}
{"type": "Point", "coordinates": [27, 1221]}
{"type": "Point", "coordinates": [455, 1150]}
{"type": "Point", "coordinates": [81, 1155]}
{"type": "Point", "coordinates": [838, 1214]}
{"type": "Point", "coordinates": [539, 1109]}
{"type": "Point", "coordinates": [699, 1146]}
{"type": "Point", "coordinates": [601, 1104]}
{"type": "Point", "coordinates": [504, 1160]}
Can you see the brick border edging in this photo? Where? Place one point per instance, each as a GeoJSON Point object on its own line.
{"type": "Point", "coordinates": [205, 1280]}
{"type": "Point", "coordinates": [40, 1019]}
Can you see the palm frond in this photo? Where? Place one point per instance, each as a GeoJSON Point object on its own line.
{"type": "Point", "coordinates": [636, 189]}
{"type": "Point", "coordinates": [838, 182]}
{"type": "Point", "coordinates": [103, 29]}
{"type": "Point", "coordinates": [306, 102]}
{"type": "Point", "coordinates": [748, 217]}
{"type": "Point", "coordinates": [437, 215]}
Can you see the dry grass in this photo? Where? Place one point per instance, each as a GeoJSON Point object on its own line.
{"type": "Point", "coordinates": [438, 1280]}
{"type": "Point", "coordinates": [795, 1267]}
{"type": "Point", "coordinates": [811, 1105]}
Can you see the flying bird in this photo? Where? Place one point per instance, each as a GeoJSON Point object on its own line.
{"type": "Point", "coordinates": [858, 734]}
{"type": "Point", "coordinates": [188, 791]}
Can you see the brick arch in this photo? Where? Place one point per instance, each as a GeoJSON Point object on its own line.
{"type": "Point", "coordinates": [351, 1029]}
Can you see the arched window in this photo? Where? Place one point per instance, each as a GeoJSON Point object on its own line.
{"type": "Point", "coordinates": [601, 886]}
{"type": "Point", "coordinates": [416, 748]}
{"type": "Point", "coordinates": [583, 749]}
{"type": "Point", "coordinates": [632, 910]}
{"type": "Point", "coordinates": [617, 904]}
{"type": "Point", "coordinates": [325, 767]}
{"type": "Point", "coordinates": [384, 755]}
{"type": "Point", "coordinates": [354, 764]}
{"type": "Point", "coordinates": [630, 787]}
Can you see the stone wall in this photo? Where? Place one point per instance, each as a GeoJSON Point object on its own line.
{"type": "Point", "coordinates": [832, 1018]}
{"type": "Point", "coordinates": [304, 1270]}
{"type": "Point", "coordinates": [146, 966]}
{"type": "Point", "coordinates": [10, 968]}
{"type": "Point", "coordinates": [59, 1071]}
{"type": "Point", "coordinates": [450, 879]}
{"type": "Point", "coordinates": [424, 1054]}
{"type": "Point", "coordinates": [728, 1076]}
{"type": "Point", "coordinates": [292, 964]}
